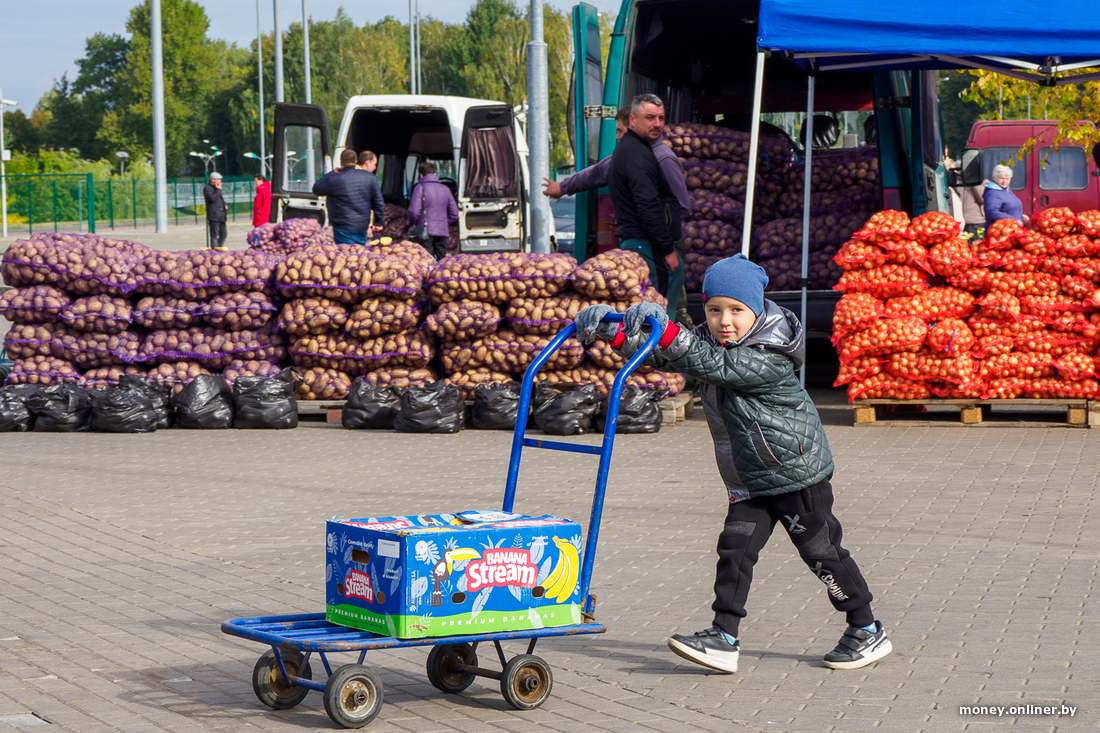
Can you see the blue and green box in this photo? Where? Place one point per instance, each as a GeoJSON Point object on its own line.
{"type": "Point", "coordinates": [453, 574]}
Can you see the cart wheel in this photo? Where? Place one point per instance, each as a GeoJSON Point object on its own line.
{"type": "Point", "coordinates": [526, 681]}
{"type": "Point", "coordinates": [267, 679]}
{"type": "Point", "coordinates": [353, 696]}
{"type": "Point", "coordinates": [442, 674]}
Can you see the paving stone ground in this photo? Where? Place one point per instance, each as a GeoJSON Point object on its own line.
{"type": "Point", "coordinates": [121, 555]}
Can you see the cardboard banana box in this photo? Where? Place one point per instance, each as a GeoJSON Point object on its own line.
{"type": "Point", "coordinates": [453, 574]}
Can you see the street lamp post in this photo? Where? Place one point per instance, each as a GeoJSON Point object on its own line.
{"type": "Point", "coordinates": [122, 156]}
{"type": "Point", "coordinates": [3, 158]}
{"type": "Point", "coordinates": [207, 160]}
{"type": "Point", "coordinates": [265, 162]}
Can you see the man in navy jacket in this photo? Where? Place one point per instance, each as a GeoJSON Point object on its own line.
{"type": "Point", "coordinates": [353, 195]}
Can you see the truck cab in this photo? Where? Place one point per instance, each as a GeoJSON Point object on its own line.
{"type": "Point", "coordinates": [478, 147]}
{"type": "Point", "coordinates": [1041, 178]}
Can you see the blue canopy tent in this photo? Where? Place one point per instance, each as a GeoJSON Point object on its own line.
{"type": "Point", "coordinates": [1016, 38]}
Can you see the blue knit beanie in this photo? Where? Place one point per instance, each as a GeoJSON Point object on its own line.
{"type": "Point", "coordinates": [735, 277]}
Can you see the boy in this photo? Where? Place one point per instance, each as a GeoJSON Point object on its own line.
{"type": "Point", "coordinates": [771, 450]}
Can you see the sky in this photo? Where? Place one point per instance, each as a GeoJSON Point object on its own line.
{"type": "Point", "coordinates": [41, 39]}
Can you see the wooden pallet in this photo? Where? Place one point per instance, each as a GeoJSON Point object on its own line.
{"type": "Point", "coordinates": [1079, 413]}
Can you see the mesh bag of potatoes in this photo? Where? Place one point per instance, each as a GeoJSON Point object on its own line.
{"type": "Point", "coordinates": [27, 262]}
{"type": "Point", "coordinates": [159, 312]}
{"type": "Point", "coordinates": [91, 350]}
{"type": "Point", "coordinates": [724, 177]}
{"type": "Point", "coordinates": [412, 349]}
{"type": "Point", "coordinates": [588, 372]}
{"type": "Point", "coordinates": [860, 197]}
{"type": "Point", "coordinates": [711, 237]}
{"type": "Point", "coordinates": [401, 377]}
{"type": "Point", "coordinates": [507, 351]}
{"type": "Point", "coordinates": [176, 374]}
{"type": "Point", "coordinates": [469, 380]}
{"type": "Point", "coordinates": [601, 354]}
{"type": "Point", "coordinates": [784, 236]}
{"type": "Point", "coordinates": [249, 368]}
{"type": "Point", "coordinates": [397, 222]}
{"type": "Point", "coordinates": [499, 277]}
{"type": "Point", "coordinates": [202, 274]}
{"type": "Point", "coordinates": [312, 316]}
{"type": "Point", "coordinates": [213, 347]}
{"type": "Point", "coordinates": [463, 320]}
{"type": "Point", "coordinates": [422, 258]}
{"type": "Point", "coordinates": [348, 275]}
{"type": "Point", "coordinates": [613, 275]}
{"type": "Point", "coordinates": [34, 304]}
{"type": "Point", "coordinates": [25, 340]}
{"type": "Point", "coordinates": [284, 237]}
{"type": "Point", "coordinates": [319, 383]}
{"type": "Point", "coordinates": [833, 170]}
{"type": "Point", "coordinates": [376, 316]}
{"type": "Point", "coordinates": [108, 376]}
{"type": "Point", "coordinates": [544, 316]}
{"type": "Point", "coordinates": [83, 266]}
{"type": "Point", "coordinates": [97, 313]}
{"type": "Point", "coordinates": [649, 295]}
{"type": "Point", "coordinates": [712, 206]}
{"type": "Point", "coordinates": [238, 311]}
{"type": "Point", "coordinates": [44, 370]}
{"type": "Point", "coordinates": [694, 139]}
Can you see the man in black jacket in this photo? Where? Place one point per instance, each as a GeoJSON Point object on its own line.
{"type": "Point", "coordinates": [646, 209]}
{"type": "Point", "coordinates": [353, 195]}
{"type": "Point", "coordinates": [215, 212]}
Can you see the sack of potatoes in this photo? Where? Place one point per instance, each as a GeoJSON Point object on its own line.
{"type": "Point", "coordinates": [158, 312]}
{"type": "Point", "coordinates": [319, 383]}
{"type": "Point", "coordinates": [463, 320]}
{"type": "Point", "coordinates": [44, 370]}
{"type": "Point", "coordinates": [312, 317]}
{"type": "Point", "coordinates": [91, 350]}
{"type": "Point", "coordinates": [249, 368]}
{"type": "Point", "coordinates": [544, 316]}
{"type": "Point", "coordinates": [613, 275]}
{"type": "Point", "coordinates": [348, 275]}
{"type": "Point", "coordinates": [34, 304]}
{"type": "Point", "coordinates": [401, 377]}
{"type": "Point", "coordinates": [470, 379]}
{"type": "Point", "coordinates": [202, 274]}
{"type": "Point", "coordinates": [376, 316]}
{"type": "Point", "coordinates": [499, 277]}
{"type": "Point", "coordinates": [176, 374]}
{"type": "Point", "coordinates": [108, 376]}
{"type": "Point", "coordinates": [238, 311]}
{"type": "Point", "coordinates": [97, 313]}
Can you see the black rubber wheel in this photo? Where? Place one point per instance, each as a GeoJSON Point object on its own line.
{"type": "Point", "coordinates": [441, 672]}
{"type": "Point", "coordinates": [353, 696]}
{"type": "Point", "coordinates": [267, 679]}
{"type": "Point", "coordinates": [526, 682]}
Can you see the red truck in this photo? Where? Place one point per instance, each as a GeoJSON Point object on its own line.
{"type": "Point", "coordinates": [1044, 178]}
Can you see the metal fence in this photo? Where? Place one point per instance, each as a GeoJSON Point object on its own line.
{"type": "Point", "coordinates": [76, 202]}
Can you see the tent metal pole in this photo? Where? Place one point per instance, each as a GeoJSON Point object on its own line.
{"type": "Point", "coordinates": [809, 144]}
{"type": "Point", "coordinates": [754, 147]}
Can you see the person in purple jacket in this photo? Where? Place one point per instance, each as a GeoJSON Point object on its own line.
{"type": "Point", "coordinates": [596, 176]}
{"type": "Point", "coordinates": [1000, 202]}
{"type": "Point", "coordinates": [431, 205]}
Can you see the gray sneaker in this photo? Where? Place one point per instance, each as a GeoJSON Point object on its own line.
{"type": "Point", "coordinates": [709, 648]}
{"type": "Point", "coordinates": [858, 648]}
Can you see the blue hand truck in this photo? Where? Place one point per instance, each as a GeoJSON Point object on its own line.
{"type": "Point", "coordinates": [353, 693]}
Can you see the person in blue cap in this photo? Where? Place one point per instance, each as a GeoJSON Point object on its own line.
{"type": "Point", "coordinates": [771, 449]}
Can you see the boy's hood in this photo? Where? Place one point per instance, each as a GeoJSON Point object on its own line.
{"type": "Point", "coordinates": [777, 329]}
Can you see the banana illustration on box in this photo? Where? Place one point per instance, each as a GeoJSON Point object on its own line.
{"type": "Point", "coordinates": [563, 580]}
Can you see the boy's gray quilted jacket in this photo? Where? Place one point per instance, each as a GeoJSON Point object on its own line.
{"type": "Point", "coordinates": [768, 438]}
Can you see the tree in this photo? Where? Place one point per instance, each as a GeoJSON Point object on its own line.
{"type": "Point", "coordinates": [101, 69]}
{"type": "Point", "coordinates": [20, 133]}
{"type": "Point", "coordinates": [1009, 98]}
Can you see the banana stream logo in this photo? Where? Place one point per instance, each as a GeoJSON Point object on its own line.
{"type": "Point", "coordinates": [357, 585]}
{"type": "Point", "coordinates": [501, 567]}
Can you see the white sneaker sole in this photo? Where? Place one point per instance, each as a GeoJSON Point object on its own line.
{"type": "Point", "coordinates": [719, 662]}
{"type": "Point", "coordinates": [876, 654]}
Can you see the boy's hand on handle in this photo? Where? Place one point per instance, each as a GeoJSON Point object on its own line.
{"type": "Point", "coordinates": [590, 324]}
{"type": "Point", "coordinates": [635, 317]}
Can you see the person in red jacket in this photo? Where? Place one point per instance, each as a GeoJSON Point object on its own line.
{"type": "Point", "coordinates": [261, 205]}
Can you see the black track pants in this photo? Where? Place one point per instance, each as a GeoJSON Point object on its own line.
{"type": "Point", "coordinates": [807, 515]}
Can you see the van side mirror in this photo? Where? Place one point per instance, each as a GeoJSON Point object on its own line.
{"type": "Point", "coordinates": [952, 178]}
{"type": "Point", "coordinates": [1096, 154]}
{"type": "Point", "coordinates": [826, 132]}
{"type": "Point", "coordinates": [972, 167]}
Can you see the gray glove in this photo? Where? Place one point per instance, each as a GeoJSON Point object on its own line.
{"type": "Point", "coordinates": [590, 326]}
{"type": "Point", "coordinates": [635, 317]}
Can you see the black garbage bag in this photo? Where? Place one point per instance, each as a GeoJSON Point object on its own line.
{"type": "Point", "coordinates": [205, 403]}
{"type": "Point", "coordinates": [639, 410]}
{"type": "Point", "coordinates": [436, 408]}
{"type": "Point", "coordinates": [116, 410]}
{"type": "Point", "coordinates": [565, 409]}
{"type": "Point", "coordinates": [371, 406]}
{"type": "Point", "coordinates": [15, 416]}
{"type": "Point", "coordinates": [61, 408]}
{"type": "Point", "coordinates": [159, 394]}
{"type": "Point", "coordinates": [495, 406]}
{"type": "Point", "coordinates": [267, 403]}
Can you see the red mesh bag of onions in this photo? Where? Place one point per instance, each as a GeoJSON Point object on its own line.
{"type": "Point", "coordinates": [950, 337]}
{"type": "Point", "coordinates": [885, 336]}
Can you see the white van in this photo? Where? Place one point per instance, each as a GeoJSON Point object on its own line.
{"type": "Point", "coordinates": [479, 149]}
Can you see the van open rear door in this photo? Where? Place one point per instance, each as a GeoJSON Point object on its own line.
{"type": "Point", "coordinates": [492, 197]}
{"type": "Point", "coordinates": [302, 154]}
{"type": "Point", "coordinates": [585, 115]}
